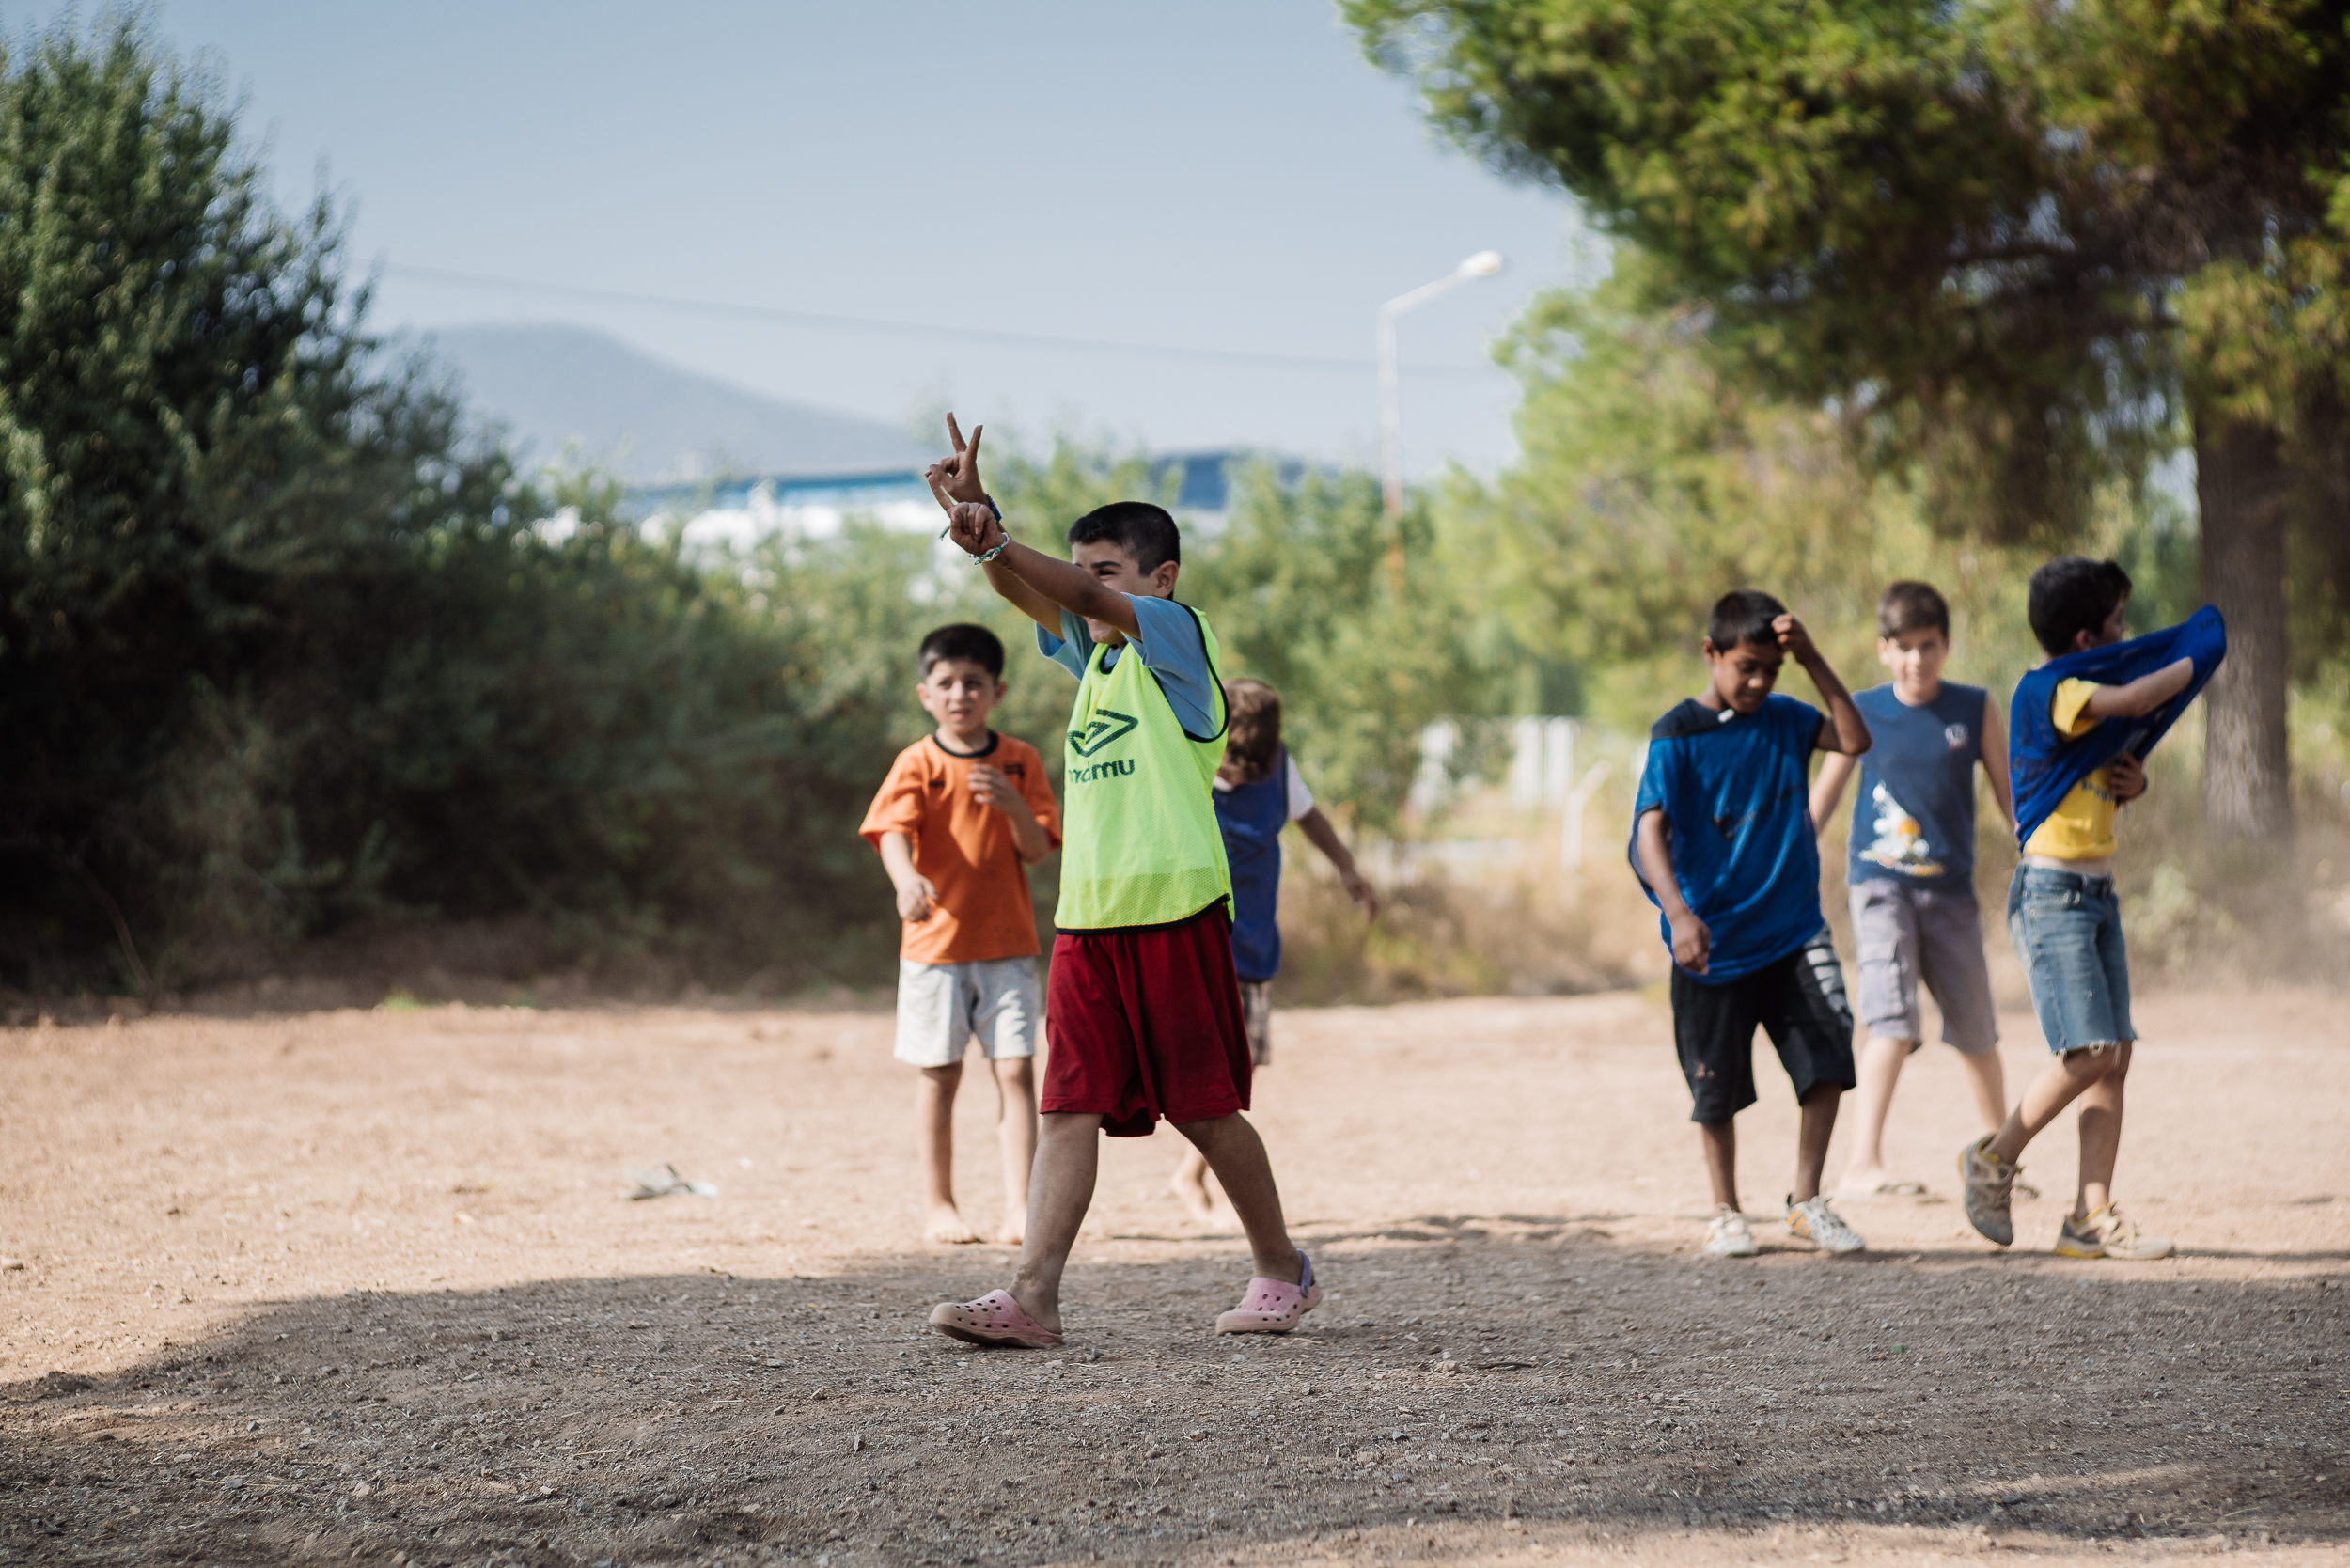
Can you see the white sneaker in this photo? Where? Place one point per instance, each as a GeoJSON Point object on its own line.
{"type": "Point", "coordinates": [1727, 1236]}
{"type": "Point", "coordinates": [1813, 1220]}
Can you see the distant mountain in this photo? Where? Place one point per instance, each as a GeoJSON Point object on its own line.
{"type": "Point", "coordinates": [647, 421]}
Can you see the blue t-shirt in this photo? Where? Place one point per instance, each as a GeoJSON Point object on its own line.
{"type": "Point", "coordinates": [1736, 791]}
{"type": "Point", "coordinates": [1167, 640]}
{"type": "Point", "coordinates": [1914, 819]}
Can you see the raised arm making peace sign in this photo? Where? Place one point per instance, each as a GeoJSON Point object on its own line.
{"type": "Point", "coordinates": [957, 477]}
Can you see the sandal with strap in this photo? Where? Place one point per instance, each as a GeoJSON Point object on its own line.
{"type": "Point", "coordinates": [1273, 1305]}
{"type": "Point", "coordinates": [994, 1320]}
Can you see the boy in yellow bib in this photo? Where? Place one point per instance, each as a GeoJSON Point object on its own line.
{"type": "Point", "coordinates": [1142, 1004]}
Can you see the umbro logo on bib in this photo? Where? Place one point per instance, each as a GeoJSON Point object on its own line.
{"type": "Point", "coordinates": [1106, 724]}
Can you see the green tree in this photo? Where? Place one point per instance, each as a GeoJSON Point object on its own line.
{"type": "Point", "coordinates": [1652, 478]}
{"type": "Point", "coordinates": [1300, 586]}
{"type": "Point", "coordinates": [1304, 594]}
{"type": "Point", "coordinates": [2014, 246]}
{"type": "Point", "coordinates": [282, 645]}
{"type": "Point", "coordinates": [189, 442]}
{"type": "Point", "coordinates": [285, 645]}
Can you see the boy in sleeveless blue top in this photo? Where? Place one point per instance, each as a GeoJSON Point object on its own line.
{"type": "Point", "coordinates": [1909, 870]}
{"type": "Point", "coordinates": [1259, 792]}
{"type": "Point", "coordinates": [1723, 844]}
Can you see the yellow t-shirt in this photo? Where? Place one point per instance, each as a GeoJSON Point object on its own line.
{"type": "Point", "coordinates": [2081, 827]}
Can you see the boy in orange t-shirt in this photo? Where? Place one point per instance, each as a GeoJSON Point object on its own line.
{"type": "Point", "coordinates": [962, 816]}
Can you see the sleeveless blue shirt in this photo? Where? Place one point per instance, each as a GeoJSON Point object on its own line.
{"type": "Point", "coordinates": [1913, 817]}
{"type": "Point", "coordinates": [1252, 817]}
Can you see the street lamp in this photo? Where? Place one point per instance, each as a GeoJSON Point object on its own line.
{"type": "Point", "coordinates": [1483, 264]}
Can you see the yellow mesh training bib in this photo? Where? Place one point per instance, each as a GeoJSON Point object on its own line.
{"type": "Point", "coordinates": [1139, 845]}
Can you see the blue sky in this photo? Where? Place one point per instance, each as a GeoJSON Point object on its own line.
{"type": "Point", "coordinates": [1225, 174]}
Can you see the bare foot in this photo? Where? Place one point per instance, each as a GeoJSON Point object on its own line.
{"type": "Point", "coordinates": [1191, 1190]}
{"type": "Point", "coordinates": [1861, 1181]}
{"type": "Point", "coordinates": [944, 1226]}
{"type": "Point", "coordinates": [1011, 1232]}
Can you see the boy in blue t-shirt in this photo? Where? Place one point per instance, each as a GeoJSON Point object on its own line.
{"type": "Point", "coordinates": [1723, 844]}
{"type": "Point", "coordinates": [1911, 870]}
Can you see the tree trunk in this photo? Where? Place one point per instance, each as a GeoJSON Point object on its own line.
{"type": "Point", "coordinates": [2240, 485]}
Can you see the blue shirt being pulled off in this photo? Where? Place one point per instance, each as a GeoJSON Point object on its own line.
{"type": "Point", "coordinates": [1736, 790]}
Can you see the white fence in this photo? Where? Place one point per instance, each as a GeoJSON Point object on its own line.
{"type": "Point", "coordinates": [1550, 768]}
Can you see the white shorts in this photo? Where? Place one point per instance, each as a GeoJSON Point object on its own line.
{"type": "Point", "coordinates": [943, 1007]}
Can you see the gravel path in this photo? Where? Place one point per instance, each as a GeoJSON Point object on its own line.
{"type": "Point", "coordinates": [346, 1284]}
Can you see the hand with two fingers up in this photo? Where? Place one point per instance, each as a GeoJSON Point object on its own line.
{"type": "Point", "coordinates": [972, 522]}
{"type": "Point", "coordinates": [956, 477]}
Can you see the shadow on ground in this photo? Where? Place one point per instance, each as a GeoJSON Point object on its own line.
{"type": "Point", "coordinates": [1472, 1386]}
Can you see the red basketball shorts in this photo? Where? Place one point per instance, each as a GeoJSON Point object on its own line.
{"type": "Point", "coordinates": [1145, 1025]}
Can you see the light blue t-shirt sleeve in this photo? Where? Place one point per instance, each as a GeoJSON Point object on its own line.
{"type": "Point", "coordinates": [1072, 648]}
{"type": "Point", "coordinates": [1167, 640]}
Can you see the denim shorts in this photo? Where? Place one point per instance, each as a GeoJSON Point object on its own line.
{"type": "Point", "coordinates": [2067, 929]}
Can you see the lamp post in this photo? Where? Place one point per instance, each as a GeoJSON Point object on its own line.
{"type": "Point", "coordinates": [1483, 264]}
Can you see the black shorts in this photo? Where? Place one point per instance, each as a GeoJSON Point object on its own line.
{"type": "Point", "coordinates": [1799, 1001]}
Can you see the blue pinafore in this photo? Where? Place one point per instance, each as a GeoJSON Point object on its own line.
{"type": "Point", "coordinates": [1252, 817]}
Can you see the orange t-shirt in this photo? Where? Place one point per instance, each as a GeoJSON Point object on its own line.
{"type": "Point", "coordinates": [964, 847]}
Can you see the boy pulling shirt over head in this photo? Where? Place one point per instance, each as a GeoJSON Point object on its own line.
{"type": "Point", "coordinates": [2081, 827]}
{"type": "Point", "coordinates": [1723, 844]}
{"type": "Point", "coordinates": [2084, 722]}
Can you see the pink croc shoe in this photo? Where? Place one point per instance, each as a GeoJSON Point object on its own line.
{"type": "Point", "coordinates": [994, 1320]}
{"type": "Point", "coordinates": [1273, 1305]}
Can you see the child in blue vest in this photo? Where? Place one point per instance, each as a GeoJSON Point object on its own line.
{"type": "Point", "coordinates": [1258, 793]}
{"type": "Point", "coordinates": [1910, 870]}
{"type": "Point", "coordinates": [2083, 723]}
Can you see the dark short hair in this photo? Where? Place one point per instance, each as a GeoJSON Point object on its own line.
{"type": "Point", "coordinates": [962, 640]}
{"type": "Point", "coordinates": [1907, 606]}
{"type": "Point", "coordinates": [1142, 530]}
{"type": "Point", "coordinates": [2073, 594]}
{"type": "Point", "coordinates": [1252, 734]}
{"type": "Point", "coordinates": [1742, 615]}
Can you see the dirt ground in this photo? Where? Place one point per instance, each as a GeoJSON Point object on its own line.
{"type": "Point", "coordinates": [342, 1285]}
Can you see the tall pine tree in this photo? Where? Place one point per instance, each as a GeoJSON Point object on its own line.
{"type": "Point", "coordinates": [2017, 245]}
